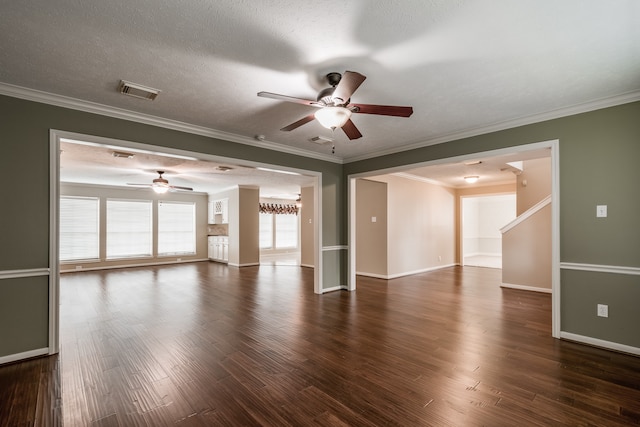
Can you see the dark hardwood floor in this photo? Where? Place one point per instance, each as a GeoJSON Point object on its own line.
{"type": "Point", "coordinates": [203, 344]}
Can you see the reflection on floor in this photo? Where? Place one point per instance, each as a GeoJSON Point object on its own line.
{"type": "Point", "coordinates": [290, 258]}
{"type": "Point", "coordinates": [490, 261]}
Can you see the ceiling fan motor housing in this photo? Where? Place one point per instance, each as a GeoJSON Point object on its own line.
{"type": "Point", "coordinates": [160, 180]}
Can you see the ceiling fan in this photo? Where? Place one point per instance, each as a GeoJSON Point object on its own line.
{"type": "Point", "coordinates": [335, 107]}
{"type": "Point", "coordinates": [161, 185]}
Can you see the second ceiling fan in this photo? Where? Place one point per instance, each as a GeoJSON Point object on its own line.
{"type": "Point", "coordinates": [335, 107]}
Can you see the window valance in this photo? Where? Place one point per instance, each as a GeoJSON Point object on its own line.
{"type": "Point", "coordinates": [275, 208]}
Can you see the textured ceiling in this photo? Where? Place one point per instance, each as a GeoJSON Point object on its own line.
{"type": "Point", "coordinates": [465, 66]}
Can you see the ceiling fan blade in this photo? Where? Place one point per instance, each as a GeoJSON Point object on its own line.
{"type": "Point", "coordinates": [351, 130]}
{"type": "Point", "coordinates": [299, 123]}
{"type": "Point", "coordinates": [349, 82]}
{"type": "Point", "coordinates": [177, 187]}
{"type": "Point", "coordinates": [383, 110]}
{"type": "Point", "coordinates": [289, 99]}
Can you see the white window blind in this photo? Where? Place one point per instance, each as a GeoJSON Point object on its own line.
{"type": "Point", "coordinates": [79, 228]}
{"type": "Point", "coordinates": [266, 231]}
{"type": "Point", "coordinates": [176, 228]}
{"type": "Point", "coordinates": [286, 231]}
{"type": "Point", "coordinates": [129, 232]}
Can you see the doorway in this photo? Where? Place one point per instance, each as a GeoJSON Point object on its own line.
{"type": "Point", "coordinates": [551, 145]}
{"type": "Point", "coordinates": [57, 136]}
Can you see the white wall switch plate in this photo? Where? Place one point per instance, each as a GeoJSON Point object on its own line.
{"type": "Point", "coordinates": [374, 219]}
{"type": "Point", "coordinates": [601, 211]}
{"type": "Point", "coordinates": [603, 310]}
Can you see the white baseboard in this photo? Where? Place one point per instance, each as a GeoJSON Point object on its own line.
{"type": "Point", "coordinates": [333, 289]}
{"type": "Point", "coordinates": [406, 273]}
{"type": "Point", "coordinates": [25, 355]}
{"type": "Point", "coordinates": [526, 288]}
{"type": "Point", "coordinates": [496, 254]}
{"type": "Point", "coordinates": [150, 264]}
{"type": "Point", "coordinates": [600, 343]}
{"type": "Point", "coordinates": [249, 264]}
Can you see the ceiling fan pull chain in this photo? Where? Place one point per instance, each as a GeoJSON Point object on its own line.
{"type": "Point", "coordinates": [333, 138]}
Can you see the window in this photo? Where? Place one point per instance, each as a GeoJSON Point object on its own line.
{"type": "Point", "coordinates": [286, 231]}
{"type": "Point", "coordinates": [176, 228]}
{"type": "Point", "coordinates": [79, 228]}
{"type": "Point", "coordinates": [129, 231]}
{"type": "Point", "coordinates": [266, 231]}
{"type": "Point", "coordinates": [278, 231]}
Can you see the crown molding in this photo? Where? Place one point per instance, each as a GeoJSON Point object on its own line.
{"type": "Point", "coordinates": [585, 107]}
{"type": "Point", "coordinates": [120, 113]}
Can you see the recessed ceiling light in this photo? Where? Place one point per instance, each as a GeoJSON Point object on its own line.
{"type": "Point", "coordinates": [278, 171]}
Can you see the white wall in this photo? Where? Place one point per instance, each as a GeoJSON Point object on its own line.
{"type": "Point", "coordinates": [482, 219]}
{"type": "Point", "coordinates": [420, 226]}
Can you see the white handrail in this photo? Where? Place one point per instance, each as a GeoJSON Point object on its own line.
{"type": "Point", "coordinates": [528, 213]}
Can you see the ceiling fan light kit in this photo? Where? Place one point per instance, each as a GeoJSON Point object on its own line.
{"type": "Point", "coordinates": [333, 117]}
{"type": "Point", "coordinates": [161, 185]}
{"type": "Point", "coordinates": [334, 105]}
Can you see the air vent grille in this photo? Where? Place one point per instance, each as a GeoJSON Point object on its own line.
{"type": "Point", "coordinates": [137, 90]}
{"type": "Point", "coordinates": [320, 139]}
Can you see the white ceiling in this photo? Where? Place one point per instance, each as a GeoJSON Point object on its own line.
{"type": "Point", "coordinates": [466, 67]}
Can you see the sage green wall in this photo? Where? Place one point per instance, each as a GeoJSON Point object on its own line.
{"type": "Point", "coordinates": [599, 152]}
{"type": "Point", "coordinates": [24, 222]}
{"type": "Point", "coordinates": [24, 314]}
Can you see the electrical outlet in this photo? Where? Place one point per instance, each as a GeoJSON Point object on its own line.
{"type": "Point", "coordinates": [603, 310]}
{"type": "Point", "coordinates": [78, 267]}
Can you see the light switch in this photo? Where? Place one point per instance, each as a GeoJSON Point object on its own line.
{"type": "Point", "coordinates": [601, 211]}
{"type": "Point", "coordinates": [374, 219]}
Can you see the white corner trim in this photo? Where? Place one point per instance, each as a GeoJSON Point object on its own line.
{"type": "Point", "coordinates": [600, 268]}
{"type": "Point", "coordinates": [335, 248]}
{"type": "Point", "coordinates": [526, 288]}
{"type": "Point", "coordinates": [120, 113]}
{"type": "Point", "coordinates": [25, 355]}
{"type": "Point", "coordinates": [600, 343]}
{"type": "Point", "coordinates": [32, 272]}
{"type": "Point", "coordinates": [527, 214]}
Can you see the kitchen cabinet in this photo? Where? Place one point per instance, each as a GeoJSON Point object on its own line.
{"type": "Point", "coordinates": [219, 211]}
{"type": "Point", "coordinates": [219, 248]}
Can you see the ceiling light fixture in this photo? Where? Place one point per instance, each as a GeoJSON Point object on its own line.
{"type": "Point", "coordinates": [471, 179]}
{"type": "Point", "coordinates": [160, 185]}
{"type": "Point", "coordinates": [333, 117]}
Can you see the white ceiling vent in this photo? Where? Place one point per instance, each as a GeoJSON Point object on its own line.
{"type": "Point", "coordinates": [139, 91]}
{"type": "Point", "coordinates": [320, 139]}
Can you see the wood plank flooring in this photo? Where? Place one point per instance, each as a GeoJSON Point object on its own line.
{"type": "Point", "coordinates": [203, 344]}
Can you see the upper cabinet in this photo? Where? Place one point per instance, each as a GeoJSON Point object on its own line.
{"type": "Point", "coordinates": [219, 211]}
